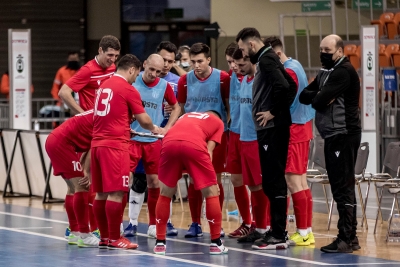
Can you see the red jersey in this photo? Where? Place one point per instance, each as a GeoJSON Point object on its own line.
{"type": "Point", "coordinates": [87, 80]}
{"type": "Point", "coordinates": [238, 75]}
{"type": "Point", "coordinates": [115, 103]}
{"type": "Point", "coordinates": [197, 128]}
{"type": "Point", "coordinates": [182, 86]}
{"type": "Point", "coordinates": [77, 131]}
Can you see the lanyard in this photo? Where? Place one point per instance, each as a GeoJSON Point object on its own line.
{"type": "Point", "coordinates": [265, 50]}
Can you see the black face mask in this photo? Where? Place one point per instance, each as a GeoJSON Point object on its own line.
{"type": "Point", "coordinates": [73, 65]}
{"type": "Point", "coordinates": [326, 60]}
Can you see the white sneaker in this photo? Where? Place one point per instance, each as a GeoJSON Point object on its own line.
{"type": "Point", "coordinates": [73, 238]}
{"type": "Point", "coordinates": [151, 232]}
{"type": "Point", "coordinates": [88, 241]}
{"type": "Point", "coordinates": [218, 250]}
{"type": "Point", "coordinates": [160, 249]}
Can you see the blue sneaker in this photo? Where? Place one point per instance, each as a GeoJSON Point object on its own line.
{"type": "Point", "coordinates": [67, 232]}
{"type": "Point", "coordinates": [171, 231]}
{"type": "Point", "coordinates": [233, 213]}
{"type": "Point", "coordinates": [194, 231]}
{"type": "Point", "coordinates": [130, 230]}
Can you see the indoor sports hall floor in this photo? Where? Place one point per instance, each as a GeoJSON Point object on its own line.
{"type": "Point", "coordinates": [31, 234]}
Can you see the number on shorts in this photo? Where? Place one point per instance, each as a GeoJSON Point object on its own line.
{"type": "Point", "coordinates": [104, 101]}
{"type": "Point", "coordinates": [197, 115]}
{"type": "Point", "coordinates": [125, 181]}
{"type": "Point", "coordinates": [77, 166]}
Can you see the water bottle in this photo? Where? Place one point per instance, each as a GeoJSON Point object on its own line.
{"type": "Point", "coordinates": [394, 233]}
{"type": "Point", "coordinates": [36, 126]}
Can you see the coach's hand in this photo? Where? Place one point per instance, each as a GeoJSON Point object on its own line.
{"type": "Point", "coordinates": [264, 117]}
{"type": "Point", "coordinates": [85, 181]}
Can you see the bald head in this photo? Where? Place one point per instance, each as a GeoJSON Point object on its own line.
{"type": "Point", "coordinates": [331, 48]}
{"type": "Point", "coordinates": [153, 66]}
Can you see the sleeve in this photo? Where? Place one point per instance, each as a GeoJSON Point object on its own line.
{"type": "Point", "coordinates": [294, 77]}
{"type": "Point", "coordinates": [56, 85]}
{"type": "Point", "coordinates": [134, 101]}
{"type": "Point", "coordinates": [169, 95]}
{"type": "Point", "coordinates": [5, 84]}
{"type": "Point", "coordinates": [308, 94]}
{"type": "Point", "coordinates": [336, 84]}
{"type": "Point", "coordinates": [182, 89]}
{"type": "Point", "coordinates": [80, 79]}
{"type": "Point", "coordinates": [219, 130]}
{"type": "Point", "coordinates": [225, 84]}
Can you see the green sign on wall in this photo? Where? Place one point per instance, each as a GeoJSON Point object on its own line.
{"type": "Point", "coordinates": [315, 6]}
{"type": "Point", "coordinates": [364, 4]}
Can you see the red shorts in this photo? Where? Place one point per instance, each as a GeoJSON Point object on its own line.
{"type": "Point", "coordinates": [251, 168]}
{"type": "Point", "coordinates": [219, 155]}
{"type": "Point", "coordinates": [233, 162]}
{"type": "Point", "coordinates": [65, 161]}
{"type": "Point", "coordinates": [110, 169]}
{"type": "Point", "coordinates": [297, 159]}
{"type": "Point", "coordinates": [148, 152]}
{"type": "Point", "coordinates": [177, 156]}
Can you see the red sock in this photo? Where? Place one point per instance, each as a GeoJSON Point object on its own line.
{"type": "Point", "coordinates": [300, 209]}
{"type": "Point", "coordinates": [124, 201]}
{"type": "Point", "coordinates": [113, 211]}
{"type": "Point", "coordinates": [259, 201]}
{"type": "Point", "coordinates": [69, 207]}
{"type": "Point", "coordinates": [99, 210]}
{"type": "Point", "coordinates": [81, 206]}
{"type": "Point", "coordinates": [309, 207]}
{"type": "Point", "coordinates": [152, 197]}
{"type": "Point", "coordinates": [221, 195]}
{"type": "Point", "coordinates": [162, 214]}
{"type": "Point", "coordinates": [193, 197]}
{"type": "Point", "coordinates": [92, 219]}
{"type": "Point", "coordinates": [243, 203]}
{"type": "Point", "coordinates": [214, 216]}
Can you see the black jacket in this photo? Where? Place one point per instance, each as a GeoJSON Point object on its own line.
{"type": "Point", "coordinates": [273, 89]}
{"type": "Point", "coordinates": [341, 85]}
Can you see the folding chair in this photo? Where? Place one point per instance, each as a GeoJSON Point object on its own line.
{"type": "Point", "coordinates": [394, 190]}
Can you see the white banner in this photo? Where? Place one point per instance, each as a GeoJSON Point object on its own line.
{"type": "Point", "coordinates": [19, 47]}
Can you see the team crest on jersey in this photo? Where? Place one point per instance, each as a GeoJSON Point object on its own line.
{"type": "Point", "coordinates": [155, 93]}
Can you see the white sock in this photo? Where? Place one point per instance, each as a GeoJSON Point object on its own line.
{"type": "Point", "coordinates": [309, 230]}
{"type": "Point", "coordinates": [302, 232]}
{"type": "Point", "coordinates": [261, 231]}
{"type": "Point", "coordinates": [134, 209]}
{"type": "Point", "coordinates": [268, 228]}
{"type": "Point", "coordinates": [248, 225]}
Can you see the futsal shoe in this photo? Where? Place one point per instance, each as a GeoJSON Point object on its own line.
{"type": "Point", "coordinates": [171, 231]}
{"type": "Point", "coordinates": [194, 231]}
{"type": "Point", "coordinates": [73, 238]}
{"type": "Point", "coordinates": [96, 233]}
{"type": "Point", "coordinates": [160, 248]}
{"type": "Point", "coordinates": [122, 243]}
{"type": "Point", "coordinates": [103, 244]}
{"type": "Point", "coordinates": [300, 240]}
{"type": "Point", "coordinates": [88, 241]}
{"type": "Point", "coordinates": [67, 232]}
{"type": "Point", "coordinates": [130, 230]}
{"type": "Point", "coordinates": [243, 230]}
{"type": "Point", "coordinates": [338, 246]}
{"type": "Point", "coordinates": [151, 232]}
{"type": "Point", "coordinates": [311, 238]}
{"type": "Point", "coordinates": [268, 242]}
{"type": "Point", "coordinates": [251, 237]}
{"type": "Point", "coordinates": [218, 250]}
{"type": "Point", "coordinates": [355, 244]}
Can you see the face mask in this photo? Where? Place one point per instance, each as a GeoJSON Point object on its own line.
{"type": "Point", "coordinates": [73, 65]}
{"type": "Point", "coordinates": [326, 60]}
{"type": "Point", "coordinates": [185, 64]}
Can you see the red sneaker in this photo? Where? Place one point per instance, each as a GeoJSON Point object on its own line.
{"type": "Point", "coordinates": [122, 243]}
{"type": "Point", "coordinates": [103, 244]}
{"type": "Point", "coordinates": [243, 230]}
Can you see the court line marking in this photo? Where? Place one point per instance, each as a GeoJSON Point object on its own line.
{"type": "Point", "coordinates": [182, 241]}
{"type": "Point", "coordinates": [134, 253]}
{"type": "Point", "coordinates": [32, 228]}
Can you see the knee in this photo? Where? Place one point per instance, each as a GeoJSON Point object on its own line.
{"type": "Point", "coordinates": [236, 180]}
{"type": "Point", "coordinates": [152, 181]}
{"type": "Point", "coordinates": [139, 184]}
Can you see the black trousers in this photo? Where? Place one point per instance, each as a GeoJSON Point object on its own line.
{"type": "Point", "coordinates": [273, 144]}
{"type": "Point", "coordinates": [340, 158]}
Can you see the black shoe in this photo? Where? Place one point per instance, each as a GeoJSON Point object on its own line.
{"type": "Point", "coordinates": [337, 246]}
{"type": "Point", "coordinates": [251, 237]}
{"type": "Point", "coordinates": [270, 242]}
{"type": "Point", "coordinates": [355, 244]}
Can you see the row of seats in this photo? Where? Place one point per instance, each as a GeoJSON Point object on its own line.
{"type": "Point", "coordinates": [389, 25]}
{"type": "Point", "coordinates": [389, 56]}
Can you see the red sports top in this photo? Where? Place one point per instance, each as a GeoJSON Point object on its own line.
{"type": "Point", "coordinates": [115, 103]}
{"type": "Point", "coordinates": [87, 80]}
{"type": "Point", "coordinates": [169, 94]}
{"type": "Point", "coordinates": [197, 128]}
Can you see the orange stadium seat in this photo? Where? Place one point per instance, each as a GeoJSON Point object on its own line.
{"type": "Point", "coordinates": [384, 58]}
{"type": "Point", "coordinates": [382, 23]}
{"type": "Point", "coordinates": [355, 57]}
{"type": "Point", "coordinates": [349, 49]}
{"type": "Point", "coordinates": [392, 26]}
{"type": "Point", "coordinates": [395, 54]}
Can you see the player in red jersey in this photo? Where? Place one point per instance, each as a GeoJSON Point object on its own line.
{"type": "Point", "coordinates": [189, 145]}
{"type": "Point", "coordinates": [198, 91]}
{"type": "Point", "coordinates": [116, 101]}
{"type": "Point", "coordinates": [69, 139]}
{"type": "Point", "coordinates": [90, 77]}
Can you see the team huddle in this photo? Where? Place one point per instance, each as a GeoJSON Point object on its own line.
{"type": "Point", "coordinates": [204, 122]}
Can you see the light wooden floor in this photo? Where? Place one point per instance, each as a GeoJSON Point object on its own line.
{"type": "Point", "coordinates": [372, 245]}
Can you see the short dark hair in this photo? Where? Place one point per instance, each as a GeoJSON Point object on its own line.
{"type": "Point", "coordinates": [128, 61]}
{"type": "Point", "coordinates": [246, 33]}
{"type": "Point", "coordinates": [238, 54]}
{"type": "Point", "coordinates": [200, 48]}
{"type": "Point", "coordinates": [230, 49]}
{"type": "Point", "coordinates": [73, 52]}
{"type": "Point", "coordinates": [168, 46]}
{"type": "Point", "coordinates": [273, 41]}
{"type": "Point", "coordinates": [109, 41]}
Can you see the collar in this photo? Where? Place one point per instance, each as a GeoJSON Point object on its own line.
{"type": "Point", "coordinates": [254, 59]}
{"type": "Point", "coordinates": [115, 74]}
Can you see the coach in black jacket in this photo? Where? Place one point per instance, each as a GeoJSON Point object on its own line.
{"type": "Point", "coordinates": [273, 93]}
{"type": "Point", "coordinates": [334, 94]}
